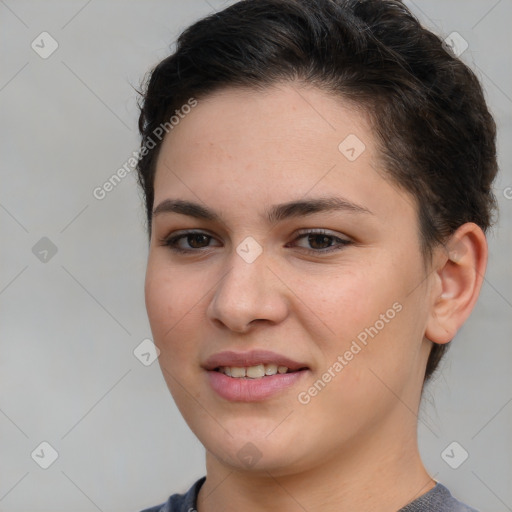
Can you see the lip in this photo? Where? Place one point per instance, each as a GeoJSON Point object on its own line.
{"type": "Point", "coordinates": [252, 390]}
{"type": "Point", "coordinates": [251, 358]}
{"type": "Point", "coordinates": [247, 389]}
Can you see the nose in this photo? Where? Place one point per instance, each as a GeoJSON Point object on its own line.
{"type": "Point", "coordinates": [248, 294]}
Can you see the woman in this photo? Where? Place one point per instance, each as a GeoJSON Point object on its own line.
{"type": "Point", "coordinates": [318, 184]}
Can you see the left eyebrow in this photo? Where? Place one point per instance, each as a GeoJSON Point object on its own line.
{"type": "Point", "coordinates": [275, 214]}
{"type": "Point", "coordinates": [302, 208]}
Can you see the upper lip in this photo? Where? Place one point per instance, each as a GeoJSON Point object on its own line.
{"type": "Point", "coordinates": [251, 358]}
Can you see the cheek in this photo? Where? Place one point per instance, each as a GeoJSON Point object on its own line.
{"type": "Point", "coordinates": [349, 300]}
{"type": "Point", "coordinates": [361, 382]}
{"type": "Point", "coordinates": [170, 303]}
{"type": "Point", "coordinates": [173, 307]}
{"type": "Point", "coordinates": [381, 359]}
{"type": "Point", "coordinates": [371, 318]}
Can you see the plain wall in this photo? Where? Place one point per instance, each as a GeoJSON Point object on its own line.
{"type": "Point", "coordinates": [69, 325]}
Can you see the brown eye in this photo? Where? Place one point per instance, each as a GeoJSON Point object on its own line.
{"type": "Point", "coordinates": [320, 242]}
{"type": "Point", "coordinates": [188, 241]}
{"type": "Point", "coordinates": [196, 240]}
{"type": "Point", "coordinates": [316, 240]}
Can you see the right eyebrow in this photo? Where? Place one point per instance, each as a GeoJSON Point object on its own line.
{"type": "Point", "coordinates": [186, 208]}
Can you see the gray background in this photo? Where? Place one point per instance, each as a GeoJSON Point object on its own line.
{"type": "Point", "coordinates": [69, 325]}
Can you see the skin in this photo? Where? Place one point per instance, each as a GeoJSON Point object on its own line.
{"type": "Point", "coordinates": [354, 445]}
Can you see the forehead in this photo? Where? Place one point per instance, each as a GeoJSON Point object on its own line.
{"type": "Point", "coordinates": [287, 140]}
{"type": "Point", "coordinates": [287, 117]}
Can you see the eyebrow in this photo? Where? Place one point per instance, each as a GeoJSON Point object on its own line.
{"type": "Point", "coordinates": [275, 214]}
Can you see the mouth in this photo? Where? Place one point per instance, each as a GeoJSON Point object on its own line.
{"type": "Point", "coordinates": [253, 376]}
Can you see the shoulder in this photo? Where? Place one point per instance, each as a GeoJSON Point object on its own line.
{"type": "Point", "coordinates": [186, 502]}
{"type": "Point", "coordinates": [438, 499]}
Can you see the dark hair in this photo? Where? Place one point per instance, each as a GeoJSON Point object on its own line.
{"type": "Point", "coordinates": [427, 109]}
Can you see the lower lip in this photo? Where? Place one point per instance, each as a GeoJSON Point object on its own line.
{"type": "Point", "coordinates": [252, 390]}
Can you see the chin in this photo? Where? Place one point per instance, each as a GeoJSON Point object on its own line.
{"type": "Point", "coordinates": [276, 452]}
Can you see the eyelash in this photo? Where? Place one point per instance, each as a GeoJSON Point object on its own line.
{"type": "Point", "coordinates": [173, 240]}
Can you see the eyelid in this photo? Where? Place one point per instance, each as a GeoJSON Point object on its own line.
{"type": "Point", "coordinates": [323, 231]}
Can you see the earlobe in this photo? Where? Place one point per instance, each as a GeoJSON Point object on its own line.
{"type": "Point", "coordinates": [460, 267]}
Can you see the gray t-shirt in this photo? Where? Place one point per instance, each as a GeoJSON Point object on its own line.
{"type": "Point", "coordinates": [438, 499]}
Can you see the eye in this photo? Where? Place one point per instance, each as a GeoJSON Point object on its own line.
{"type": "Point", "coordinates": [321, 241]}
{"type": "Point", "coordinates": [188, 241]}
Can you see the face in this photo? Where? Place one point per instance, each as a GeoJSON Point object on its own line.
{"type": "Point", "coordinates": [298, 253]}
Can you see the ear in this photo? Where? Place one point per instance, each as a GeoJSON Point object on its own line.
{"type": "Point", "coordinates": [459, 268]}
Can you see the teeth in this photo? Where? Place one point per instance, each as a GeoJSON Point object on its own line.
{"type": "Point", "coordinates": [270, 369]}
{"type": "Point", "coordinates": [253, 372]}
{"type": "Point", "coordinates": [237, 371]}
